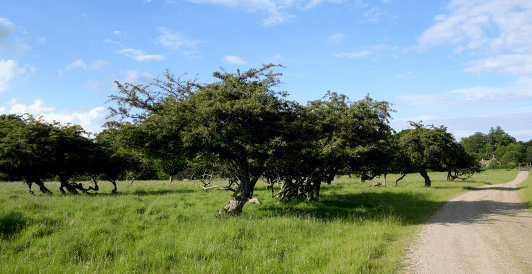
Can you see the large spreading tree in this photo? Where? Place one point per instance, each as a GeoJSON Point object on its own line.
{"type": "Point", "coordinates": [241, 127]}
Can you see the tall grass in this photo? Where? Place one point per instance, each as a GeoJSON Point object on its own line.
{"type": "Point", "coordinates": [161, 227]}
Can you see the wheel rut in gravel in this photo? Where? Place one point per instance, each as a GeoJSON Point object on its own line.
{"type": "Point", "coordinates": [487, 230]}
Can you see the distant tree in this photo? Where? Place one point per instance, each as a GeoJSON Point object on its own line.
{"type": "Point", "coordinates": [33, 149]}
{"type": "Point", "coordinates": [25, 150]}
{"type": "Point", "coordinates": [70, 155]}
{"type": "Point", "coordinates": [476, 143]}
{"type": "Point", "coordinates": [429, 147]}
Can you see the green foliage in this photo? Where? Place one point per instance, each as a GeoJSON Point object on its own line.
{"type": "Point", "coordinates": [429, 147]}
{"type": "Point", "coordinates": [240, 128]}
{"type": "Point", "coordinates": [33, 150]}
{"type": "Point", "coordinates": [499, 145]}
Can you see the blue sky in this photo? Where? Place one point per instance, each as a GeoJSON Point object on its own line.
{"type": "Point", "coordinates": [460, 63]}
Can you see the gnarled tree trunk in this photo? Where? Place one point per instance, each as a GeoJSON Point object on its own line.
{"type": "Point", "coordinates": [242, 193]}
{"type": "Point", "coordinates": [40, 183]}
{"type": "Point", "coordinates": [425, 176]}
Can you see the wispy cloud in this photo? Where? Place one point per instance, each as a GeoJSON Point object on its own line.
{"type": "Point", "coordinates": [355, 54]}
{"type": "Point", "coordinates": [234, 60]}
{"type": "Point", "coordinates": [41, 40]}
{"type": "Point", "coordinates": [93, 85]}
{"type": "Point", "coordinates": [139, 55]}
{"type": "Point", "coordinates": [495, 30]}
{"type": "Point", "coordinates": [336, 38]}
{"type": "Point", "coordinates": [99, 63]}
{"type": "Point", "coordinates": [470, 25]}
{"type": "Point", "coordinates": [467, 97]}
{"type": "Point", "coordinates": [373, 14]}
{"type": "Point", "coordinates": [278, 10]}
{"type": "Point", "coordinates": [9, 70]}
{"type": "Point", "coordinates": [77, 64]}
{"type": "Point", "coordinates": [175, 40]}
{"type": "Point", "coordinates": [136, 77]}
{"type": "Point", "coordinates": [110, 41]}
{"type": "Point", "coordinates": [12, 38]}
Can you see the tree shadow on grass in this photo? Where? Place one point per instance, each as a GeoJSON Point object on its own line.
{"type": "Point", "coordinates": [493, 188]}
{"type": "Point", "coordinates": [142, 192]}
{"type": "Point", "coordinates": [12, 223]}
{"type": "Point", "coordinates": [478, 212]}
{"type": "Point", "coordinates": [409, 209]}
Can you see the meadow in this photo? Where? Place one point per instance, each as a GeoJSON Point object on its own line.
{"type": "Point", "coordinates": [162, 227]}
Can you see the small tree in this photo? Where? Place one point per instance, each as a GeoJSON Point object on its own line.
{"type": "Point", "coordinates": [429, 147]}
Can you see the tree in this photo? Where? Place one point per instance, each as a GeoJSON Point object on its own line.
{"type": "Point", "coordinates": [429, 147]}
{"type": "Point", "coordinates": [238, 120]}
{"type": "Point", "coordinates": [25, 149]}
{"type": "Point", "coordinates": [476, 143]}
{"type": "Point", "coordinates": [32, 149]}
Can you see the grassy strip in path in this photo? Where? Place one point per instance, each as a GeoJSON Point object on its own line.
{"type": "Point", "coordinates": [525, 189]}
{"type": "Point", "coordinates": [157, 227]}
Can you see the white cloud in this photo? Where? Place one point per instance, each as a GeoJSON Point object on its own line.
{"type": "Point", "coordinates": [416, 99]}
{"type": "Point", "coordinates": [499, 31]}
{"type": "Point", "coordinates": [136, 77]}
{"type": "Point", "coordinates": [117, 32]}
{"type": "Point", "coordinates": [514, 64]}
{"type": "Point", "coordinates": [59, 73]}
{"type": "Point", "coordinates": [93, 85]}
{"type": "Point", "coordinates": [277, 10]}
{"type": "Point", "coordinates": [386, 1]}
{"type": "Point", "coordinates": [110, 41]}
{"type": "Point", "coordinates": [373, 14]}
{"type": "Point", "coordinates": [336, 38]}
{"type": "Point", "coordinates": [90, 119]}
{"type": "Point", "coordinates": [464, 126]}
{"type": "Point", "coordinates": [99, 63]}
{"type": "Point", "coordinates": [77, 64]}
{"type": "Point", "coordinates": [9, 70]}
{"type": "Point", "coordinates": [234, 60]}
{"type": "Point", "coordinates": [12, 38]}
{"type": "Point", "coordinates": [175, 40]}
{"type": "Point", "coordinates": [6, 29]}
{"type": "Point", "coordinates": [35, 109]}
{"type": "Point", "coordinates": [467, 97]}
{"type": "Point", "coordinates": [41, 40]}
{"type": "Point", "coordinates": [139, 55]}
{"type": "Point", "coordinates": [408, 75]}
{"type": "Point", "coordinates": [355, 54]}
{"type": "Point", "coordinates": [481, 26]}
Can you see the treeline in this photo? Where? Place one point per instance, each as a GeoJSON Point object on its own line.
{"type": "Point", "coordinates": [238, 128]}
{"type": "Point", "coordinates": [498, 149]}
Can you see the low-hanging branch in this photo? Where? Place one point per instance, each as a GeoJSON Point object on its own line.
{"type": "Point", "coordinates": [206, 181]}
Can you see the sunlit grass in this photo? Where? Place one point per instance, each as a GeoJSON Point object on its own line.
{"type": "Point", "coordinates": [525, 190]}
{"type": "Point", "coordinates": [161, 227]}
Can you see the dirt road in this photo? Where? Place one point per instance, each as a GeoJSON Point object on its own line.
{"type": "Point", "coordinates": [487, 230]}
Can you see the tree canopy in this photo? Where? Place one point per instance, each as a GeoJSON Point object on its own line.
{"type": "Point", "coordinates": [247, 129]}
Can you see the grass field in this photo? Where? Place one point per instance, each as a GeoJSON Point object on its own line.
{"type": "Point", "coordinates": [161, 227]}
{"type": "Point", "coordinates": [525, 190]}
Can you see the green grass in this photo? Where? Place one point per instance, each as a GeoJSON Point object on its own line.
{"type": "Point", "coordinates": [525, 190]}
{"type": "Point", "coordinates": [158, 227]}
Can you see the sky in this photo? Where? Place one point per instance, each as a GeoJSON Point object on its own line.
{"type": "Point", "coordinates": [464, 64]}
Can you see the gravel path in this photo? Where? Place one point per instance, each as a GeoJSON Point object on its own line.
{"type": "Point", "coordinates": [487, 230]}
